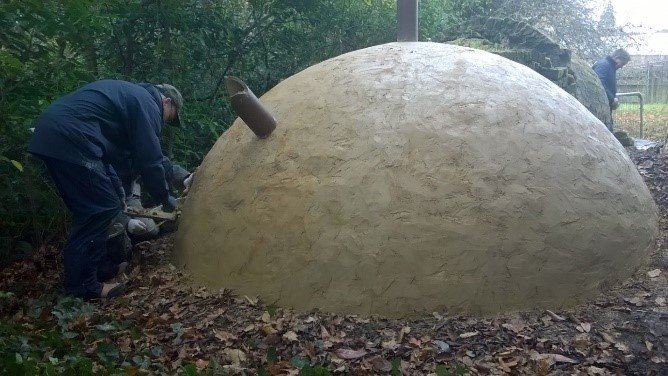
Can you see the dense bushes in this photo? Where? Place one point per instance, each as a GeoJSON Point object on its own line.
{"type": "Point", "coordinates": [49, 48]}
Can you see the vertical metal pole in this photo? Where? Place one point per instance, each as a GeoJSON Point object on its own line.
{"type": "Point", "coordinates": [407, 20]}
{"type": "Point", "coordinates": [641, 115]}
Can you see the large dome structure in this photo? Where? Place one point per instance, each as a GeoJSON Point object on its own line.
{"type": "Point", "coordinates": [414, 177]}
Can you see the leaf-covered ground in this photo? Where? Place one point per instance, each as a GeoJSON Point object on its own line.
{"type": "Point", "coordinates": [165, 326]}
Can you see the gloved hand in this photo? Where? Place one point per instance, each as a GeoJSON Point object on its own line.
{"type": "Point", "coordinates": [187, 182]}
{"type": "Point", "coordinates": [169, 205]}
{"type": "Point", "coordinates": [136, 227]}
{"type": "Point", "coordinates": [133, 201]}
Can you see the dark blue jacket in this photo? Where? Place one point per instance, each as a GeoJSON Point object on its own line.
{"type": "Point", "coordinates": [606, 70]}
{"type": "Point", "coordinates": [105, 121]}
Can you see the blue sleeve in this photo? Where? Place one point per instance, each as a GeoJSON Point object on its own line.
{"type": "Point", "coordinates": [603, 73]}
{"type": "Point", "coordinates": [146, 120]}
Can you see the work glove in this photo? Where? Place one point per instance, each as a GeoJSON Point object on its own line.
{"type": "Point", "coordinates": [137, 227]}
{"type": "Point", "coordinates": [169, 205]}
{"type": "Point", "coordinates": [187, 182]}
{"type": "Point", "coordinates": [133, 201]}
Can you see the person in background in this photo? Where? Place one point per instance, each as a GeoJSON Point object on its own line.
{"type": "Point", "coordinates": [77, 137]}
{"type": "Point", "coordinates": [606, 70]}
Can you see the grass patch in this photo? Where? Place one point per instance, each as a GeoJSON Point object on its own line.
{"type": "Point", "coordinates": [655, 120]}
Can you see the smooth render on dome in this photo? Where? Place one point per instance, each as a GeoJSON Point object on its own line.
{"type": "Point", "coordinates": [416, 177]}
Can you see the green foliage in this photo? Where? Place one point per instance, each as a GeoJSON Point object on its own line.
{"type": "Point", "coordinates": [396, 366]}
{"type": "Point", "coordinates": [306, 369]}
{"type": "Point", "coordinates": [51, 348]}
{"type": "Point", "coordinates": [442, 370]}
{"type": "Point", "coordinates": [56, 335]}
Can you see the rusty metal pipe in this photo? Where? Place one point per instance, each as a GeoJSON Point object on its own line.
{"type": "Point", "coordinates": [407, 20]}
{"type": "Point", "coordinates": [249, 108]}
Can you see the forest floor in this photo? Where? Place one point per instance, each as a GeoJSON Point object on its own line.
{"type": "Point", "coordinates": [165, 326]}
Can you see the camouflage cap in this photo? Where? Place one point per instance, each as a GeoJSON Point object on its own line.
{"type": "Point", "coordinates": [172, 93]}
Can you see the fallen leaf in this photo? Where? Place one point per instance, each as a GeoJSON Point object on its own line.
{"type": "Point", "coordinates": [554, 358]}
{"type": "Point", "coordinates": [402, 332]}
{"type": "Point", "coordinates": [324, 334]}
{"type": "Point", "coordinates": [649, 345]}
{"type": "Point", "coordinates": [507, 364]}
{"type": "Point", "coordinates": [390, 345]}
{"type": "Point", "coordinates": [251, 301]}
{"type": "Point", "coordinates": [658, 359]}
{"type": "Point", "coordinates": [349, 353]}
{"type": "Point", "coordinates": [469, 334]}
{"type": "Point", "coordinates": [634, 301]}
{"type": "Point", "coordinates": [290, 336]}
{"type": "Point", "coordinates": [335, 339]}
{"type": "Point", "coordinates": [582, 341]}
{"type": "Point", "coordinates": [266, 317]}
{"type": "Point", "coordinates": [593, 371]}
{"type": "Point", "coordinates": [381, 365]}
{"type": "Point", "coordinates": [279, 368]}
{"type": "Point", "coordinates": [654, 273]}
{"type": "Point", "coordinates": [584, 327]}
{"type": "Point", "coordinates": [660, 302]}
{"type": "Point", "coordinates": [443, 347]}
{"type": "Point", "coordinates": [608, 338]}
{"type": "Point", "coordinates": [224, 336]}
{"type": "Point", "coordinates": [131, 371]}
{"type": "Point", "coordinates": [201, 364]}
{"type": "Point", "coordinates": [514, 326]}
{"type": "Point", "coordinates": [310, 319]}
{"type": "Point", "coordinates": [268, 330]}
{"type": "Point", "coordinates": [182, 353]}
{"type": "Point", "coordinates": [234, 356]}
{"type": "Point", "coordinates": [621, 347]}
{"type": "Point", "coordinates": [554, 316]}
{"type": "Point", "coordinates": [563, 359]}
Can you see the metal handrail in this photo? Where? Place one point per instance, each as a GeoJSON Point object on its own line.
{"type": "Point", "coordinates": [639, 95]}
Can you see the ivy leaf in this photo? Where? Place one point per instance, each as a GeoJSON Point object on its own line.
{"type": "Point", "coordinates": [106, 327]}
{"type": "Point", "coordinates": [299, 362]}
{"type": "Point", "coordinates": [18, 165]}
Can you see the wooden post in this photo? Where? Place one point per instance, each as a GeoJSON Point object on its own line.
{"type": "Point", "coordinates": [407, 20]}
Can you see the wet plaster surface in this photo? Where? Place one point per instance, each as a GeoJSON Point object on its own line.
{"type": "Point", "coordinates": [415, 177]}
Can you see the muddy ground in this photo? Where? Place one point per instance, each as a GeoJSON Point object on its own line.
{"type": "Point", "coordinates": [164, 326]}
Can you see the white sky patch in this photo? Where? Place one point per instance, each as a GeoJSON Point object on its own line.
{"type": "Point", "coordinates": [646, 19]}
{"type": "Point", "coordinates": [651, 14]}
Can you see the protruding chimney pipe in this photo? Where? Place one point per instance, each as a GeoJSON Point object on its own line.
{"type": "Point", "coordinates": [407, 20]}
{"type": "Point", "coordinates": [249, 108]}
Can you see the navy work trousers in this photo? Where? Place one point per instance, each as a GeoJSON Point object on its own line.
{"type": "Point", "coordinates": [90, 194]}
